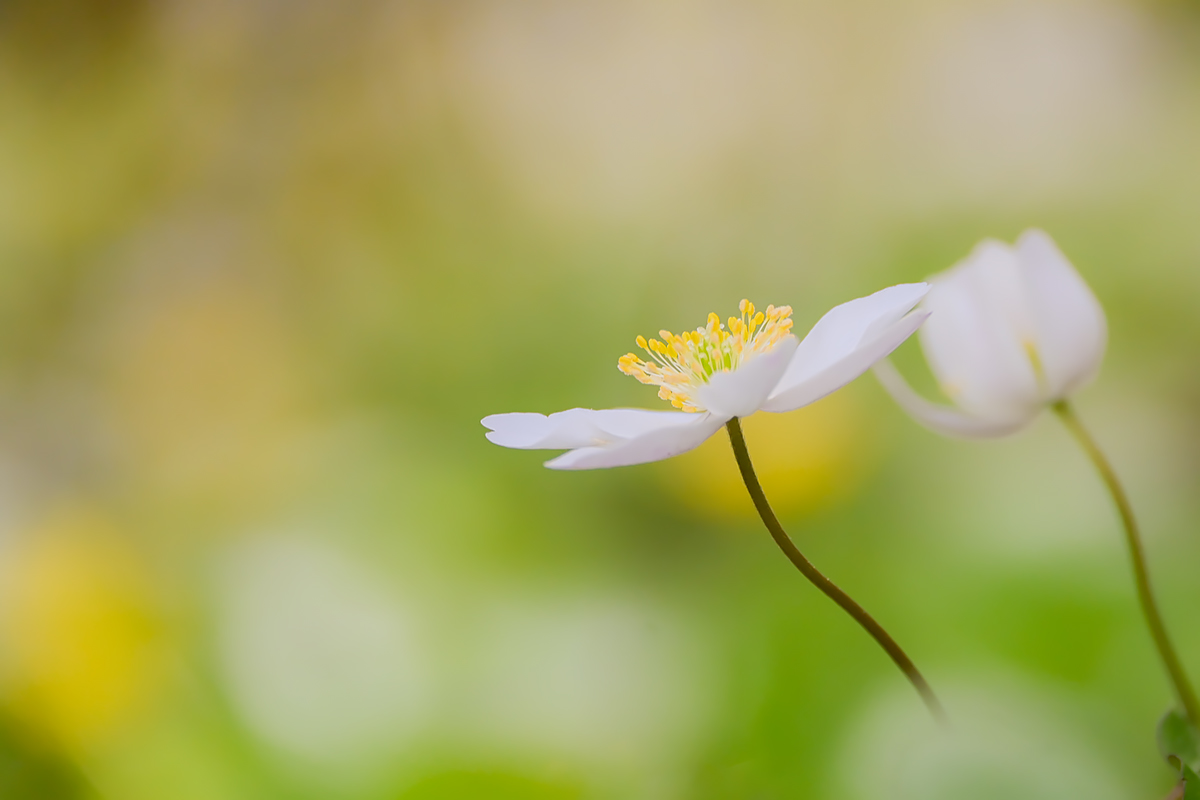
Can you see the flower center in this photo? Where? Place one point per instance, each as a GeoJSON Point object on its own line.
{"type": "Point", "coordinates": [683, 362]}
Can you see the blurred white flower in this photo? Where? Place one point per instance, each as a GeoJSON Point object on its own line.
{"type": "Point", "coordinates": [322, 660]}
{"type": "Point", "coordinates": [1009, 742]}
{"type": "Point", "coordinates": [719, 372]}
{"type": "Point", "coordinates": [608, 681]}
{"type": "Point", "coordinates": [1011, 331]}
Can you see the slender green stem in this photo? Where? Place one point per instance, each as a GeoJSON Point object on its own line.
{"type": "Point", "coordinates": [1137, 554]}
{"type": "Point", "coordinates": [828, 587]}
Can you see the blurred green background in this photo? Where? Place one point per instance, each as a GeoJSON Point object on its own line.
{"type": "Point", "coordinates": [265, 264]}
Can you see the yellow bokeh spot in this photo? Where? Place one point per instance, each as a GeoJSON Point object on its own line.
{"type": "Point", "coordinates": [80, 646]}
{"type": "Point", "coordinates": [208, 396]}
{"type": "Point", "coordinates": [806, 460]}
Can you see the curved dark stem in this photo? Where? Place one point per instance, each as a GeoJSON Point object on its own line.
{"type": "Point", "coordinates": [1137, 554]}
{"type": "Point", "coordinates": [828, 587]}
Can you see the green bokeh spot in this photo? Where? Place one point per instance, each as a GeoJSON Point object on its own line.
{"type": "Point", "coordinates": [466, 785]}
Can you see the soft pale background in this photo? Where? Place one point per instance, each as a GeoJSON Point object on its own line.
{"type": "Point", "coordinates": [265, 264]}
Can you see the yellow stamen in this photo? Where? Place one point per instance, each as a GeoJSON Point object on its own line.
{"type": "Point", "coordinates": [681, 363]}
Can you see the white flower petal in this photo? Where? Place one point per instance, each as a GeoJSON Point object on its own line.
{"type": "Point", "coordinates": [845, 342]}
{"type": "Point", "coordinates": [742, 392]}
{"type": "Point", "coordinates": [881, 309]}
{"type": "Point", "coordinates": [837, 334]}
{"type": "Point", "coordinates": [976, 336]}
{"type": "Point", "coordinates": [676, 432]}
{"type": "Point", "coordinates": [1070, 329]}
{"type": "Point", "coordinates": [628, 423]}
{"type": "Point", "coordinates": [841, 372]}
{"type": "Point", "coordinates": [946, 420]}
{"type": "Point", "coordinates": [577, 427]}
{"type": "Point", "coordinates": [573, 428]}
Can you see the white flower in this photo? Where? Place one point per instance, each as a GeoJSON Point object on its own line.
{"type": "Point", "coordinates": [718, 372]}
{"type": "Point", "coordinates": [1012, 330]}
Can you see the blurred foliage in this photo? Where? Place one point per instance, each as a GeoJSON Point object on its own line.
{"type": "Point", "coordinates": [1178, 738]}
{"type": "Point", "coordinates": [264, 266]}
{"type": "Point", "coordinates": [481, 784]}
{"type": "Point", "coordinates": [29, 770]}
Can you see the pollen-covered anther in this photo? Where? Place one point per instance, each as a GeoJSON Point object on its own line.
{"type": "Point", "coordinates": [681, 363]}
